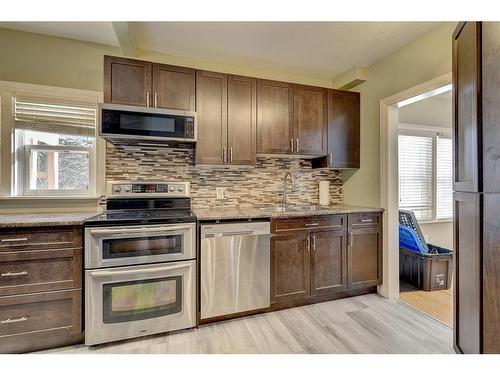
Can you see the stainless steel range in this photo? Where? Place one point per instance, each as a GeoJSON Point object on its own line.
{"type": "Point", "coordinates": [140, 266]}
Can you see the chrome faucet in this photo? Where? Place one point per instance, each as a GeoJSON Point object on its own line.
{"type": "Point", "coordinates": [284, 203]}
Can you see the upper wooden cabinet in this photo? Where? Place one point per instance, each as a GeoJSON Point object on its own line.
{"type": "Point", "coordinates": [127, 81]}
{"type": "Point", "coordinates": [226, 107]}
{"type": "Point", "coordinates": [242, 119]}
{"type": "Point", "coordinates": [467, 123]}
{"type": "Point", "coordinates": [173, 87]}
{"type": "Point", "coordinates": [309, 117]}
{"type": "Point", "coordinates": [275, 133]}
{"type": "Point", "coordinates": [211, 99]}
{"type": "Point", "coordinates": [343, 129]}
{"type": "Point", "coordinates": [142, 83]}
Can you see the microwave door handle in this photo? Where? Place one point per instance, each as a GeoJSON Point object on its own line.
{"type": "Point", "coordinates": [139, 271]}
{"type": "Point", "coordinates": [104, 232]}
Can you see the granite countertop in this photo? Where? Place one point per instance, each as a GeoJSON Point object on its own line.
{"type": "Point", "coordinates": [44, 219]}
{"type": "Point", "coordinates": [249, 212]}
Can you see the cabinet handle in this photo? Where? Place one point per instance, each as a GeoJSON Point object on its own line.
{"type": "Point", "coordinates": [14, 274]}
{"type": "Point", "coordinates": [156, 100]}
{"type": "Point", "coordinates": [314, 242]}
{"type": "Point", "coordinates": [297, 145]}
{"type": "Point", "coordinates": [366, 220]}
{"type": "Point", "coordinates": [330, 159]}
{"type": "Point", "coordinates": [14, 239]}
{"type": "Point", "coordinates": [224, 155]}
{"type": "Point", "coordinates": [14, 320]}
{"type": "Point", "coordinates": [291, 145]}
{"type": "Point", "coordinates": [230, 154]}
{"type": "Point", "coordinates": [148, 97]}
{"type": "Point", "coordinates": [311, 224]}
{"type": "Point", "coordinates": [351, 239]}
{"type": "Point", "coordinates": [308, 244]}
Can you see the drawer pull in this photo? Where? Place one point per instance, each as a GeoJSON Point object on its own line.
{"type": "Point", "coordinates": [14, 239]}
{"type": "Point", "coordinates": [14, 274]}
{"type": "Point", "coordinates": [311, 224]}
{"type": "Point", "coordinates": [366, 220]}
{"type": "Point", "coordinates": [14, 320]}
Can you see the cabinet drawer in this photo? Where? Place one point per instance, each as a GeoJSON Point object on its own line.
{"type": "Point", "coordinates": [308, 222]}
{"type": "Point", "coordinates": [364, 219]}
{"type": "Point", "coordinates": [40, 238]}
{"type": "Point", "coordinates": [36, 321]}
{"type": "Point", "coordinates": [31, 271]}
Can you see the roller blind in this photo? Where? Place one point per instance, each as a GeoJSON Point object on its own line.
{"type": "Point", "coordinates": [415, 175]}
{"type": "Point", "coordinates": [444, 183]}
{"type": "Point", "coordinates": [52, 116]}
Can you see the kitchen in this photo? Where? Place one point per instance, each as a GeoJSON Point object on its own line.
{"type": "Point", "coordinates": [205, 199]}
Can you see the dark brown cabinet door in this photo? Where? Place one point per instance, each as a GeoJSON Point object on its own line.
{"type": "Point", "coordinates": [343, 129]}
{"type": "Point", "coordinates": [467, 291]}
{"type": "Point", "coordinates": [242, 119]}
{"type": "Point", "coordinates": [274, 117]}
{"type": "Point", "coordinates": [290, 267]}
{"type": "Point", "coordinates": [309, 115]}
{"type": "Point", "coordinates": [211, 108]}
{"type": "Point", "coordinates": [467, 122]}
{"type": "Point", "coordinates": [127, 81]}
{"type": "Point", "coordinates": [364, 257]}
{"type": "Point", "coordinates": [328, 261]}
{"type": "Point", "coordinates": [173, 87]}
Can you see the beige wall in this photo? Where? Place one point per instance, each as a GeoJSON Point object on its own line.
{"type": "Point", "coordinates": [421, 60]}
{"type": "Point", "coordinates": [440, 234]}
{"type": "Point", "coordinates": [46, 60]}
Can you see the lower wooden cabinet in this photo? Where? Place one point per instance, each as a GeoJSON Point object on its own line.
{"type": "Point", "coordinates": [40, 288]}
{"type": "Point", "coordinates": [329, 260]}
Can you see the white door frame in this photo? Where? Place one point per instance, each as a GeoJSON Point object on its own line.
{"type": "Point", "coordinates": [389, 180]}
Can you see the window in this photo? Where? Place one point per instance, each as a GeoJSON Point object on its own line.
{"type": "Point", "coordinates": [425, 174]}
{"type": "Point", "coordinates": [54, 147]}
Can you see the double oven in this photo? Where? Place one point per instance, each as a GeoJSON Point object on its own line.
{"type": "Point", "coordinates": [140, 263]}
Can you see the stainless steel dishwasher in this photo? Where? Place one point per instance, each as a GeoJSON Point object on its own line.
{"type": "Point", "coordinates": [235, 268]}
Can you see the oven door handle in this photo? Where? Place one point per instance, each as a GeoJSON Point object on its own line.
{"type": "Point", "coordinates": [134, 272]}
{"type": "Point", "coordinates": [159, 230]}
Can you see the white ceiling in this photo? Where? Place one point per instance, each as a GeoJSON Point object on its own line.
{"type": "Point", "coordinates": [317, 49]}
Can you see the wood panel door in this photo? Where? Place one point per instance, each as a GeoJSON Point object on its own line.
{"type": "Point", "coordinates": [328, 261]}
{"type": "Point", "coordinates": [343, 129]}
{"type": "Point", "coordinates": [242, 119]}
{"type": "Point", "coordinates": [468, 272]}
{"type": "Point", "coordinates": [491, 274]}
{"type": "Point", "coordinates": [211, 108]}
{"type": "Point", "coordinates": [290, 267]}
{"type": "Point", "coordinates": [364, 257]}
{"type": "Point", "coordinates": [274, 117]}
{"type": "Point", "coordinates": [466, 113]}
{"type": "Point", "coordinates": [127, 81]}
{"type": "Point", "coordinates": [173, 87]}
{"type": "Point", "coordinates": [309, 116]}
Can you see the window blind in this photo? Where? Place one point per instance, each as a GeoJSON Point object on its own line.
{"type": "Point", "coordinates": [415, 175]}
{"type": "Point", "coordinates": [444, 182]}
{"type": "Point", "coordinates": [52, 116]}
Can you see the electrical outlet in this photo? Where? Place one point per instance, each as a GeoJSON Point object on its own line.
{"type": "Point", "coordinates": [220, 193]}
{"type": "Point", "coordinates": [426, 237]}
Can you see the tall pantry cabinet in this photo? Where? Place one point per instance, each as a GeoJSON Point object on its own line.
{"type": "Point", "coordinates": [476, 134]}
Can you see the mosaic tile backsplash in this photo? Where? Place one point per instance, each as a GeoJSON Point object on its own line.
{"type": "Point", "coordinates": [261, 184]}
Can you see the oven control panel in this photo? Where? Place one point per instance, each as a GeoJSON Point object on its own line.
{"type": "Point", "coordinates": [147, 188]}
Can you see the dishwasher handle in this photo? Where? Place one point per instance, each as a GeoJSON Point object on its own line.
{"type": "Point", "coordinates": [234, 230]}
{"type": "Point", "coordinates": [230, 234]}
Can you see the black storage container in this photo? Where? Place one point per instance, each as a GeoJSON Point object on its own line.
{"type": "Point", "coordinates": [427, 271]}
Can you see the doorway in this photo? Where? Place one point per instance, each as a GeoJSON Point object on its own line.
{"type": "Point", "coordinates": [389, 128]}
{"type": "Point", "coordinates": [425, 199]}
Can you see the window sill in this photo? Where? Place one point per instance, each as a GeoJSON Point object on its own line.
{"type": "Point", "coordinates": [48, 197]}
{"type": "Point", "coordinates": [436, 221]}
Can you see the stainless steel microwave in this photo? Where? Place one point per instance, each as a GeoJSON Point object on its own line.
{"type": "Point", "coordinates": [119, 123]}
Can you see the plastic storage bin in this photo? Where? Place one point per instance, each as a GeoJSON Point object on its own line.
{"type": "Point", "coordinates": [425, 266]}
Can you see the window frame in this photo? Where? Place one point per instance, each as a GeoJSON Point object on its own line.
{"type": "Point", "coordinates": [12, 158]}
{"type": "Point", "coordinates": [432, 132]}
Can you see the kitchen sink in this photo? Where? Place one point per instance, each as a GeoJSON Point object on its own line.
{"type": "Point", "coordinates": [276, 209]}
{"type": "Point", "coordinates": [310, 208]}
{"type": "Point", "coordinates": [304, 208]}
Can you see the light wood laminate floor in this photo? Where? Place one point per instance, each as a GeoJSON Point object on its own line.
{"type": "Point", "coordinates": [364, 324]}
{"type": "Point", "coordinates": [438, 304]}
